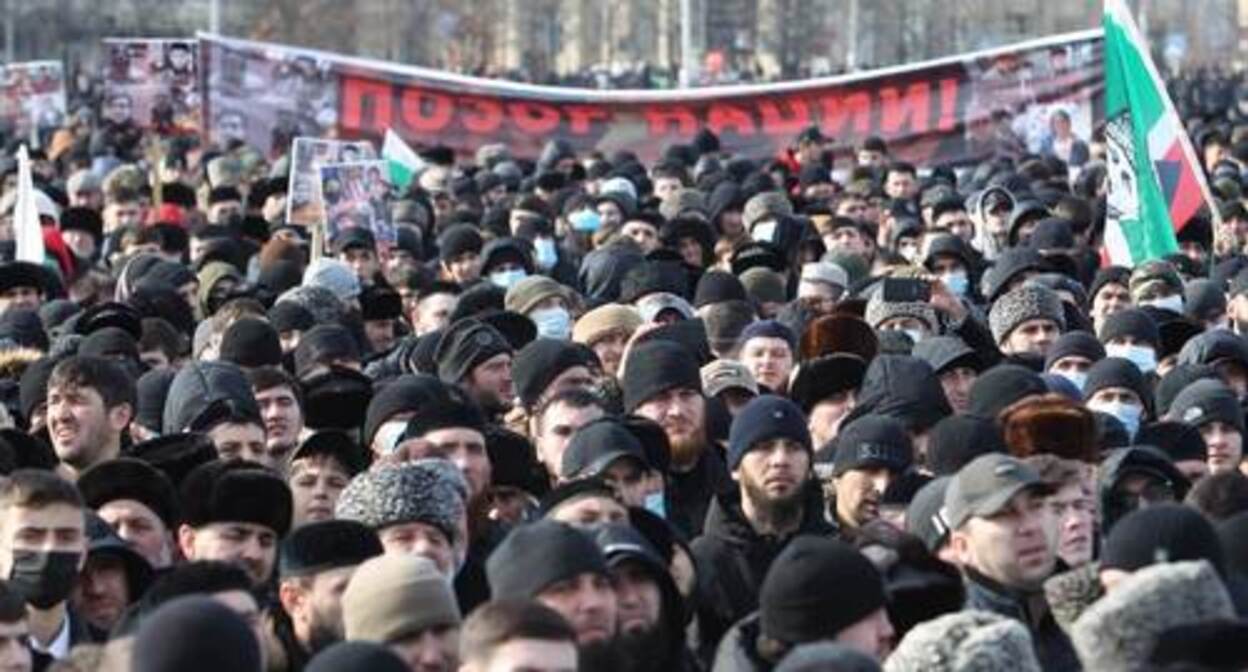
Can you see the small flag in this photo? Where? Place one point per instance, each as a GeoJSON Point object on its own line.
{"type": "Point", "coordinates": [403, 161]}
{"type": "Point", "coordinates": [26, 226]}
{"type": "Point", "coordinates": [1155, 183]}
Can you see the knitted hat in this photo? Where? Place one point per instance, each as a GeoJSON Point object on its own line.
{"type": "Point", "coordinates": [770, 329]}
{"type": "Point", "coordinates": [1028, 302]}
{"type": "Point", "coordinates": [966, 640]}
{"type": "Point", "coordinates": [539, 363]}
{"type": "Point", "coordinates": [536, 555]}
{"type": "Point", "coordinates": [1074, 344]}
{"type": "Point", "coordinates": [809, 574]}
{"type": "Point", "coordinates": [532, 290]}
{"type": "Point", "coordinates": [1206, 401]}
{"type": "Point", "coordinates": [333, 275]}
{"type": "Point", "coordinates": [764, 285]}
{"type": "Point", "coordinates": [1133, 323]}
{"type": "Point", "coordinates": [655, 367]}
{"type": "Point", "coordinates": [718, 286]}
{"type": "Point", "coordinates": [466, 344]}
{"type": "Point", "coordinates": [394, 596]}
{"type": "Point", "coordinates": [880, 311]}
{"type": "Point", "coordinates": [357, 656]}
{"type": "Point", "coordinates": [195, 633]}
{"type": "Point", "coordinates": [766, 205]}
{"type": "Point", "coordinates": [1117, 372]}
{"type": "Point", "coordinates": [873, 442]}
{"type": "Point", "coordinates": [763, 419]}
{"type": "Point", "coordinates": [604, 320]}
{"type": "Point", "coordinates": [251, 342]}
{"type": "Point", "coordinates": [429, 491]}
{"type": "Point", "coordinates": [457, 240]}
{"type": "Point", "coordinates": [1161, 533]}
{"type": "Point", "coordinates": [1178, 440]}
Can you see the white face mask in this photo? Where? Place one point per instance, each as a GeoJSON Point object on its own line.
{"type": "Point", "coordinates": [506, 279]}
{"type": "Point", "coordinates": [1143, 357]}
{"type": "Point", "coordinates": [552, 323]}
{"type": "Point", "coordinates": [545, 253]}
{"type": "Point", "coordinates": [1128, 414]}
{"type": "Point", "coordinates": [387, 437]}
{"type": "Point", "coordinates": [916, 335]}
{"type": "Point", "coordinates": [957, 282]}
{"type": "Point", "coordinates": [1172, 303]}
{"type": "Point", "coordinates": [1079, 378]}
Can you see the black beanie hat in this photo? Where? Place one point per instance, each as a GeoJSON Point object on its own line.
{"type": "Point", "coordinates": [1117, 275]}
{"type": "Point", "coordinates": [110, 342]}
{"type": "Point", "coordinates": [1178, 440]}
{"type": "Point", "coordinates": [322, 344]}
{"type": "Point", "coordinates": [465, 345]}
{"type": "Point", "coordinates": [539, 363]}
{"type": "Point", "coordinates": [1118, 372]}
{"type": "Point", "coordinates": [1131, 322]}
{"type": "Point", "coordinates": [1001, 386]}
{"type": "Point", "coordinates": [1206, 401]}
{"type": "Point", "coordinates": [151, 391]}
{"type": "Point", "coordinates": [1175, 380]}
{"type": "Point", "coordinates": [871, 442]}
{"type": "Point", "coordinates": [129, 478]}
{"type": "Point", "coordinates": [403, 394]}
{"type": "Point", "coordinates": [195, 634]}
{"type": "Point", "coordinates": [810, 574]}
{"type": "Point", "coordinates": [958, 439]}
{"type": "Point", "coordinates": [717, 287]}
{"type": "Point", "coordinates": [763, 419]}
{"type": "Point", "coordinates": [290, 316]}
{"type": "Point", "coordinates": [655, 367]}
{"type": "Point", "coordinates": [457, 240]}
{"type": "Point", "coordinates": [451, 410]}
{"type": "Point", "coordinates": [535, 555]}
{"type": "Point", "coordinates": [251, 342]}
{"type": "Point", "coordinates": [33, 387]}
{"type": "Point", "coordinates": [324, 545]}
{"type": "Point", "coordinates": [1161, 533]}
{"type": "Point", "coordinates": [380, 303]}
{"type": "Point", "coordinates": [22, 328]}
{"type": "Point", "coordinates": [356, 656]}
{"type": "Point", "coordinates": [237, 491]}
{"type": "Point", "coordinates": [1074, 344]}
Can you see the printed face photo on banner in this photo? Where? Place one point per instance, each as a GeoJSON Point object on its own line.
{"type": "Point", "coordinates": [304, 204]}
{"type": "Point", "coordinates": [32, 93]}
{"type": "Point", "coordinates": [357, 195]}
{"type": "Point", "coordinates": [267, 102]}
{"type": "Point", "coordinates": [152, 84]}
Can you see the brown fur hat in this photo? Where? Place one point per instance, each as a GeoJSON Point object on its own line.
{"type": "Point", "coordinates": [1050, 424]}
{"type": "Point", "coordinates": [839, 333]}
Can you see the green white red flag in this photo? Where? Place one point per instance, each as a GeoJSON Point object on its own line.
{"type": "Point", "coordinates": [1155, 182]}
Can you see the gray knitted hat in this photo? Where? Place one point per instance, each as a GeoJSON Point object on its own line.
{"type": "Point", "coordinates": [764, 205]}
{"type": "Point", "coordinates": [963, 641]}
{"type": "Point", "coordinates": [1029, 302]}
{"type": "Point", "coordinates": [424, 491]}
{"type": "Point", "coordinates": [880, 311]}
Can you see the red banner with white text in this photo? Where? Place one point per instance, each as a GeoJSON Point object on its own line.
{"type": "Point", "coordinates": [951, 110]}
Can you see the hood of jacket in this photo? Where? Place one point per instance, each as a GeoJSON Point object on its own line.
{"type": "Point", "coordinates": [901, 387]}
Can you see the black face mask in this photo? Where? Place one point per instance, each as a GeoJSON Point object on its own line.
{"type": "Point", "coordinates": [44, 579]}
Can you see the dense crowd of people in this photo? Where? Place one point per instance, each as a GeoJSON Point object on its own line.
{"type": "Point", "coordinates": [708, 412]}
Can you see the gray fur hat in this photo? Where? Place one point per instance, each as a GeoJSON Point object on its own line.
{"type": "Point", "coordinates": [1029, 302]}
{"type": "Point", "coordinates": [1119, 632]}
{"type": "Point", "coordinates": [821, 656]}
{"type": "Point", "coordinates": [320, 301]}
{"type": "Point", "coordinates": [879, 310]}
{"type": "Point", "coordinates": [427, 491]}
{"type": "Point", "coordinates": [763, 205]}
{"type": "Point", "coordinates": [965, 641]}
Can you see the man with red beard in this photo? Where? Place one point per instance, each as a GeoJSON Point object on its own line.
{"type": "Point", "coordinates": [662, 382]}
{"type": "Point", "coordinates": [770, 454]}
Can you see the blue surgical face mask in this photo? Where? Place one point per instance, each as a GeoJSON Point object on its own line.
{"type": "Point", "coordinates": [1143, 357]}
{"type": "Point", "coordinates": [545, 253]}
{"type": "Point", "coordinates": [1128, 414]}
{"type": "Point", "coordinates": [552, 323]}
{"type": "Point", "coordinates": [506, 279]}
{"type": "Point", "coordinates": [957, 282]}
{"type": "Point", "coordinates": [656, 503]}
{"type": "Point", "coordinates": [585, 221]}
{"type": "Point", "coordinates": [1172, 303]}
{"type": "Point", "coordinates": [1079, 378]}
